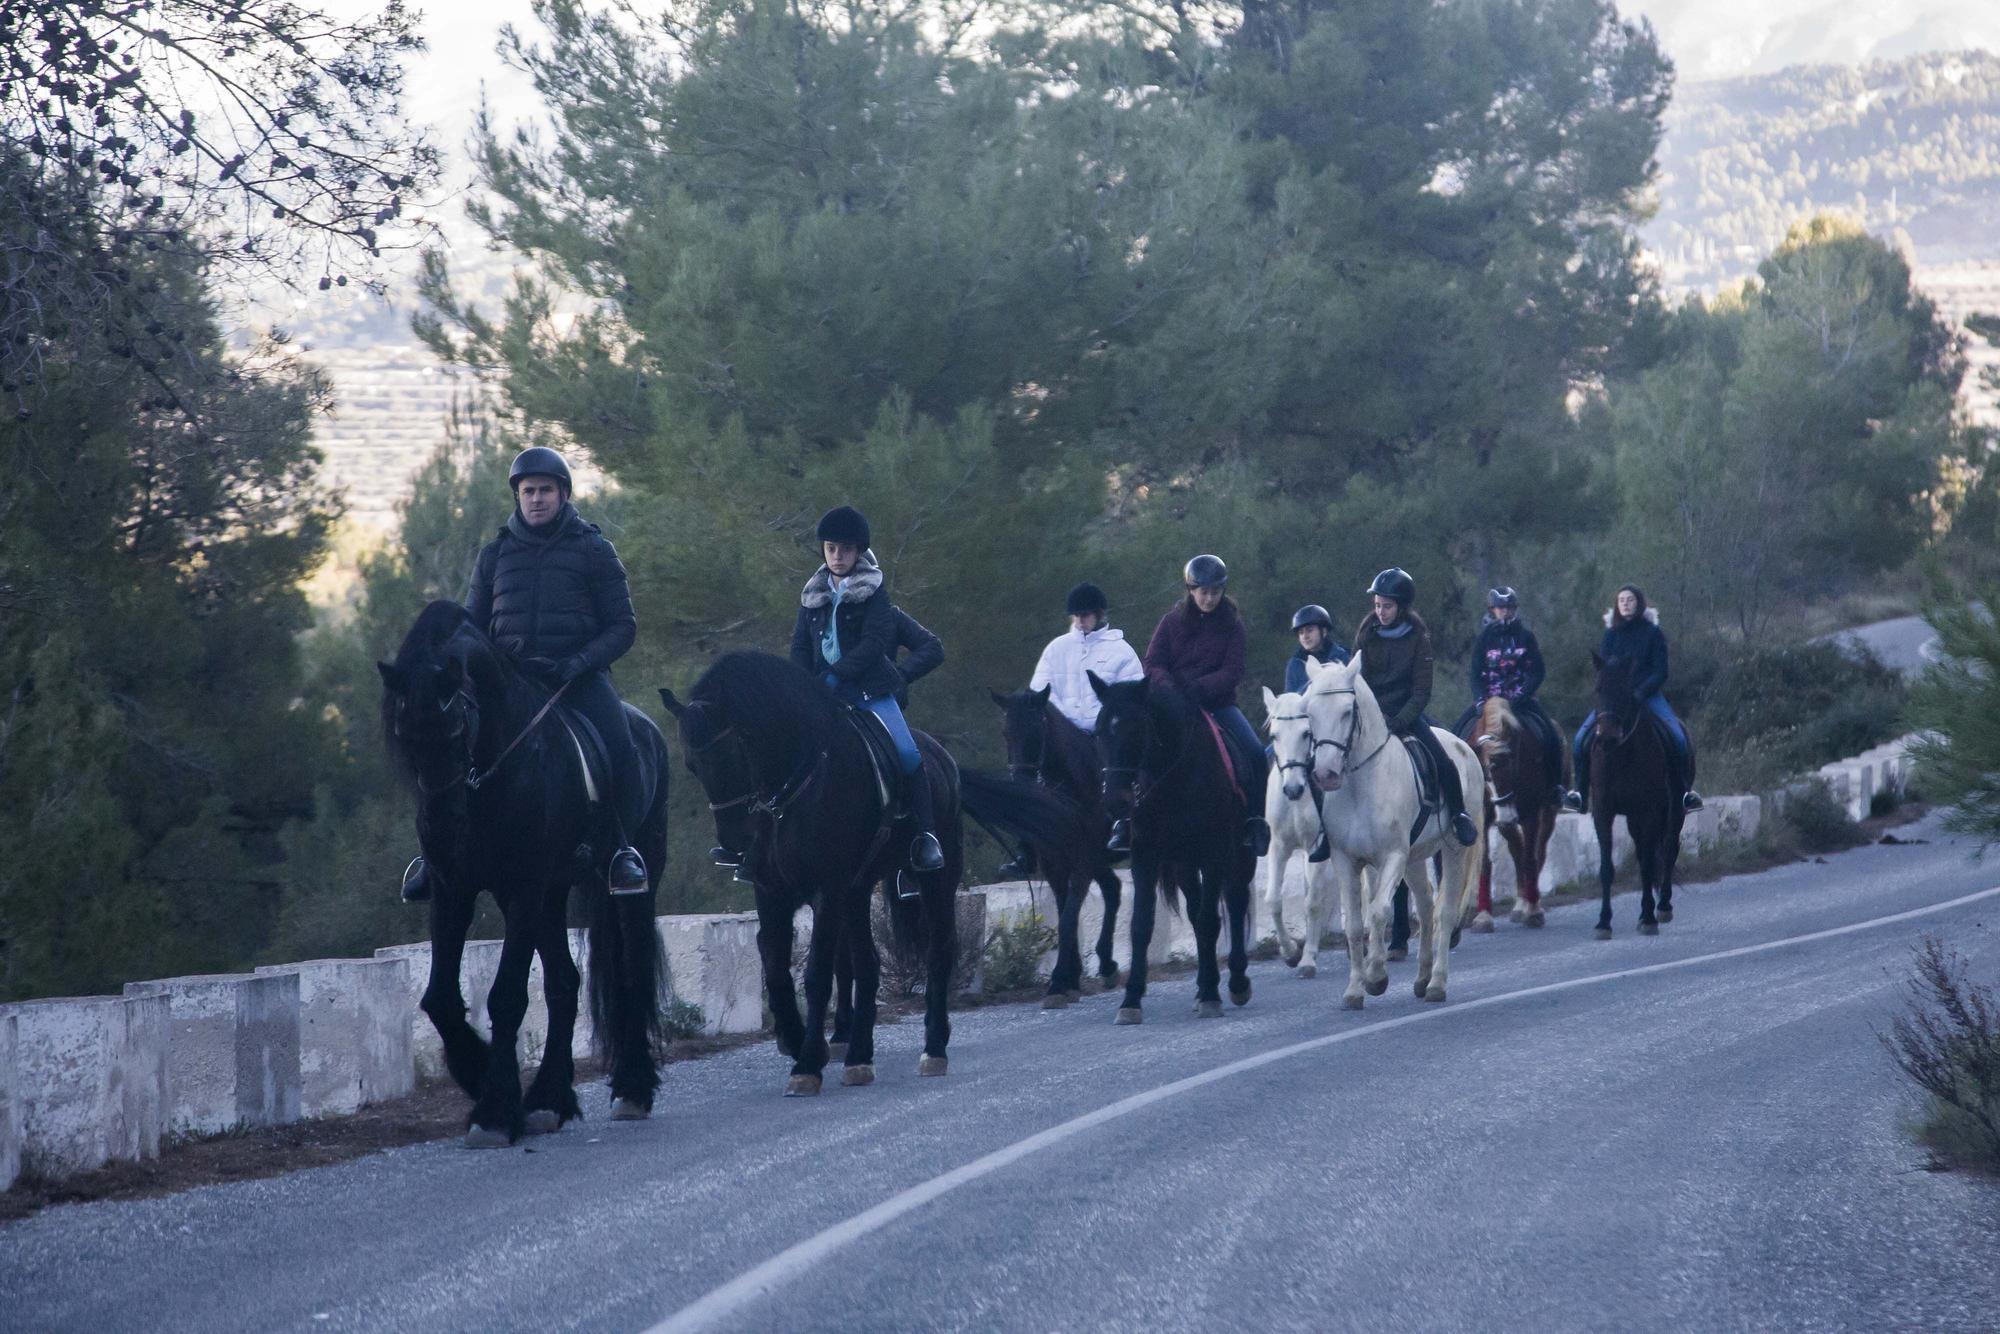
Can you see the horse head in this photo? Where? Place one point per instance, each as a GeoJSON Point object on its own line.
{"type": "Point", "coordinates": [430, 716]}
{"type": "Point", "coordinates": [1291, 740]}
{"type": "Point", "coordinates": [1024, 726]}
{"type": "Point", "coordinates": [1617, 706]}
{"type": "Point", "coordinates": [714, 752]}
{"type": "Point", "coordinates": [1340, 709]}
{"type": "Point", "coordinates": [1125, 738]}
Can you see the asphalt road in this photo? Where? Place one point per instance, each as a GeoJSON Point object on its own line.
{"type": "Point", "coordinates": [1566, 1144]}
{"type": "Point", "coordinates": [1906, 643]}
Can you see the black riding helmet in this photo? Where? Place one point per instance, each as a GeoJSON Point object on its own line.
{"type": "Point", "coordinates": [844, 523]}
{"type": "Point", "coordinates": [1085, 599]}
{"type": "Point", "coordinates": [539, 461]}
{"type": "Point", "coordinates": [1206, 572]}
{"type": "Point", "coordinates": [1311, 614]}
{"type": "Point", "coordinates": [1502, 596]}
{"type": "Point", "coordinates": [1395, 583]}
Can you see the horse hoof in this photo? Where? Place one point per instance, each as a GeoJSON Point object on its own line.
{"type": "Point", "coordinates": [1056, 1000]}
{"type": "Point", "coordinates": [1129, 1014]}
{"type": "Point", "coordinates": [1208, 1009]}
{"type": "Point", "coordinates": [1518, 915]}
{"type": "Point", "coordinates": [1377, 986]}
{"type": "Point", "coordinates": [625, 1109]}
{"type": "Point", "coordinates": [1352, 1002]}
{"type": "Point", "coordinates": [1422, 987]}
{"type": "Point", "coordinates": [479, 1137]}
{"type": "Point", "coordinates": [1434, 994]}
{"type": "Point", "coordinates": [542, 1121]}
{"type": "Point", "coordinates": [1602, 933]}
{"type": "Point", "coordinates": [1240, 998]}
{"type": "Point", "coordinates": [931, 1066]}
{"type": "Point", "coordinates": [1399, 954]}
{"type": "Point", "coordinates": [1665, 915]}
{"type": "Point", "coordinates": [1110, 979]}
{"type": "Point", "coordinates": [1308, 971]}
{"type": "Point", "coordinates": [802, 1086]}
{"type": "Point", "coordinates": [1482, 925]}
{"type": "Point", "coordinates": [1535, 918]}
{"type": "Point", "coordinates": [1649, 928]}
{"type": "Point", "coordinates": [836, 1051]}
{"type": "Point", "coordinates": [855, 1075]}
{"type": "Point", "coordinates": [1075, 995]}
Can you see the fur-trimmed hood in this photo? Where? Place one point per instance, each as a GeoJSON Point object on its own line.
{"type": "Point", "coordinates": [862, 583]}
{"type": "Point", "coordinates": [1651, 615]}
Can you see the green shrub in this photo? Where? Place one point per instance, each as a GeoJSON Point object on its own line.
{"type": "Point", "coordinates": [1771, 714]}
{"type": "Point", "coordinates": [1819, 820]}
{"type": "Point", "coordinates": [1947, 1042]}
{"type": "Point", "coordinates": [1014, 953]}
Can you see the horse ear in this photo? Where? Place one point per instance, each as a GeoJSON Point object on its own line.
{"type": "Point", "coordinates": [1046, 691]}
{"type": "Point", "coordinates": [1597, 660]}
{"type": "Point", "coordinates": [1097, 686]}
{"type": "Point", "coordinates": [1270, 704]}
{"type": "Point", "coordinates": [998, 698]}
{"type": "Point", "coordinates": [392, 676]}
{"type": "Point", "coordinates": [1353, 668]}
{"type": "Point", "coordinates": [674, 706]}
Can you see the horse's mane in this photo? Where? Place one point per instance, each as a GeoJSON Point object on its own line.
{"type": "Point", "coordinates": [436, 625]}
{"type": "Point", "coordinates": [769, 699]}
{"type": "Point", "coordinates": [1497, 720]}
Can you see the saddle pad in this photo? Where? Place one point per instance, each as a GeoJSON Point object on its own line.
{"type": "Point", "coordinates": [590, 753]}
{"type": "Point", "coordinates": [1424, 772]}
{"type": "Point", "coordinates": [1222, 747]}
{"type": "Point", "coordinates": [882, 755]}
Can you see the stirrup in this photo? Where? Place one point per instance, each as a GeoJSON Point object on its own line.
{"type": "Point", "coordinates": [416, 882]}
{"type": "Point", "coordinates": [1016, 868]}
{"type": "Point", "coordinates": [908, 886]}
{"type": "Point", "coordinates": [925, 853]}
{"type": "Point", "coordinates": [1121, 837]}
{"type": "Point", "coordinates": [722, 856]}
{"type": "Point", "coordinates": [1573, 802]}
{"type": "Point", "coordinates": [1691, 801]}
{"type": "Point", "coordinates": [627, 873]}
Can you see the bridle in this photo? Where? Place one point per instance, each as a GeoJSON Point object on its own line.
{"type": "Point", "coordinates": [1307, 765]}
{"type": "Point", "coordinates": [467, 716]}
{"type": "Point", "coordinates": [1353, 728]}
{"type": "Point", "coordinates": [1032, 772]}
{"type": "Point", "coordinates": [779, 801]}
{"type": "Point", "coordinates": [1141, 792]}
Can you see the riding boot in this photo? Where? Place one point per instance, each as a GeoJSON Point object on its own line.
{"type": "Point", "coordinates": [1018, 867]}
{"type": "Point", "coordinates": [1575, 801]}
{"type": "Point", "coordinates": [926, 855]}
{"type": "Point", "coordinates": [1462, 827]}
{"type": "Point", "coordinates": [416, 882]}
{"type": "Point", "coordinates": [627, 872]}
{"type": "Point", "coordinates": [1322, 850]}
{"type": "Point", "coordinates": [1121, 836]}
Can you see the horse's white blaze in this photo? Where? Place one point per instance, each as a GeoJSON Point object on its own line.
{"type": "Point", "coordinates": [1370, 805]}
{"type": "Point", "coordinates": [1294, 822]}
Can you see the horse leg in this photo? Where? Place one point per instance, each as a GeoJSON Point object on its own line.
{"type": "Point", "coordinates": [809, 1065]}
{"type": "Point", "coordinates": [1670, 854]}
{"type": "Point", "coordinates": [1319, 900]}
{"type": "Point", "coordinates": [843, 996]}
{"type": "Point", "coordinates": [1606, 872]}
{"type": "Point", "coordinates": [1145, 901]}
{"type": "Point", "coordinates": [625, 975]}
{"type": "Point", "coordinates": [1108, 886]}
{"type": "Point", "coordinates": [774, 944]}
{"type": "Point", "coordinates": [1528, 867]}
{"type": "Point", "coordinates": [1066, 978]}
{"type": "Point", "coordinates": [1399, 925]}
{"type": "Point", "coordinates": [1271, 882]}
{"type": "Point", "coordinates": [464, 1050]}
{"type": "Point", "coordinates": [1424, 908]}
{"type": "Point", "coordinates": [1347, 881]}
{"type": "Point", "coordinates": [1236, 896]}
{"type": "Point", "coordinates": [498, 1118]}
{"type": "Point", "coordinates": [1388, 885]}
{"type": "Point", "coordinates": [551, 1098]}
{"type": "Point", "coordinates": [940, 911]}
{"type": "Point", "coordinates": [1483, 922]}
{"type": "Point", "coordinates": [859, 966]}
{"type": "Point", "coordinates": [1649, 854]}
{"type": "Point", "coordinates": [1203, 890]}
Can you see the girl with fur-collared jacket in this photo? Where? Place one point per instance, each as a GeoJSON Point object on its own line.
{"type": "Point", "coordinates": [1632, 632]}
{"type": "Point", "coordinates": [846, 635]}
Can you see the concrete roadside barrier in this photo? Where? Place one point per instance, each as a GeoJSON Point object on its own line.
{"type": "Point", "coordinates": [713, 964]}
{"type": "Point", "coordinates": [10, 1103]}
{"type": "Point", "coordinates": [232, 1050]}
{"type": "Point", "coordinates": [354, 1032]}
{"type": "Point", "coordinates": [92, 1076]}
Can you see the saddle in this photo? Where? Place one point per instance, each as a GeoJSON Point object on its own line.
{"type": "Point", "coordinates": [891, 784]}
{"type": "Point", "coordinates": [1430, 796]}
{"type": "Point", "coordinates": [592, 757]}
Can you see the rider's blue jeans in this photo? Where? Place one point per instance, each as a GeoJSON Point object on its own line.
{"type": "Point", "coordinates": [1657, 706]}
{"type": "Point", "coordinates": [891, 716]}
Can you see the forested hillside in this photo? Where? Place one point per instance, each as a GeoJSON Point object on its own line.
{"type": "Point", "coordinates": [1910, 148]}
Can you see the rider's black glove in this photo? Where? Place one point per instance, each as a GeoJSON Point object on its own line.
{"type": "Point", "coordinates": [546, 670]}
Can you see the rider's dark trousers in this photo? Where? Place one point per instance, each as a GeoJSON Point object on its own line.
{"type": "Point", "coordinates": [593, 696]}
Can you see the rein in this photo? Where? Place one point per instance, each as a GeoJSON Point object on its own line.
{"type": "Point", "coordinates": [1353, 726]}
{"type": "Point", "coordinates": [472, 778]}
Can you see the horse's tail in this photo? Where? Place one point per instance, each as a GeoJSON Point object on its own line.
{"type": "Point", "coordinates": [628, 992]}
{"type": "Point", "coordinates": [1051, 823]}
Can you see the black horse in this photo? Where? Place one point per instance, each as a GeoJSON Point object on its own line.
{"type": "Point", "coordinates": [502, 807]}
{"type": "Point", "coordinates": [1631, 774]}
{"type": "Point", "coordinates": [1164, 772]}
{"type": "Point", "coordinates": [794, 789]}
{"type": "Point", "coordinates": [1045, 747]}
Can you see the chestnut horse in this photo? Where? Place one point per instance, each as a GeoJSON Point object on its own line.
{"type": "Point", "coordinates": [1519, 802]}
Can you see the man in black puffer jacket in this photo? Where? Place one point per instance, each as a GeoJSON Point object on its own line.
{"type": "Point", "coordinates": [550, 590]}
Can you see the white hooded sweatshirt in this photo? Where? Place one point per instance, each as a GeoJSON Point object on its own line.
{"type": "Point", "coordinates": [1069, 656]}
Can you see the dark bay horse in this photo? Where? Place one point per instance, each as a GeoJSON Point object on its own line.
{"type": "Point", "coordinates": [1631, 774]}
{"type": "Point", "coordinates": [1045, 747]}
{"type": "Point", "coordinates": [1163, 771]}
{"type": "Point", "coordinates": [1519, 801]}
{"type": "Point", "coordinates": [502, 807]}
{"type": "Point", "coordinates": [790, 779]}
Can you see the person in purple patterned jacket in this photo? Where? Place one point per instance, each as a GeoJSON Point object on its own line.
{"type": "Point", "coordinates": [1507, 661]}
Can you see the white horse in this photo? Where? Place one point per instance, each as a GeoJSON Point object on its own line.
{"type": "Point", "coordinates": [1371, 804]}
{"type": "Point", "coordinates": [1289, 810]}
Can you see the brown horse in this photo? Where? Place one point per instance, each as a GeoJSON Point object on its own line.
{"type": "Point", "coordinates": [1519, 801]}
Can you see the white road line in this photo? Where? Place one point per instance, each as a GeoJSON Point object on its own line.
{"type": "Point", "coordinates": [732, 1297]}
